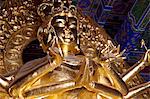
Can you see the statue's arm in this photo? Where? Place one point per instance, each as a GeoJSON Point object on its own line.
{"type": "Point", "coordinates": [106, 91]}
{"type": "Point", "coordinates": [117, 80]}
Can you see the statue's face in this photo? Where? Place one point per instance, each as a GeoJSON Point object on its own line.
{"type": "Point", "coordinates": [65, 27]}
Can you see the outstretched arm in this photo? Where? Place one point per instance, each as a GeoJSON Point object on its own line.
{"type": "Point", "coordinates": [131, 72]}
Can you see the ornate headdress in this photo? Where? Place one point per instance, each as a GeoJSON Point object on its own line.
{"type": "Point", "coordinates": [55, 6]}
{"type": "Point", "coordinates": [53, 9]}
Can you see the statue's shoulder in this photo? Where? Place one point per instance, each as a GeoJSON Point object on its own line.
{"type": "Point", "coordinates": [30, 67]}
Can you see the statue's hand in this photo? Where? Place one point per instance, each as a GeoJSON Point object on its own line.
{"type": "Point", "coordinates": [147, 57]}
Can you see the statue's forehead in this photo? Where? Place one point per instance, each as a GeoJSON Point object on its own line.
{"type": "Point", "coordinates": [65, 17]}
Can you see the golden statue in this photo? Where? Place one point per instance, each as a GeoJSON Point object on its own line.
{"type": "Point", "coordinates": [81, 62]}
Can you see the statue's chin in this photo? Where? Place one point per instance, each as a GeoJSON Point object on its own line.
{"type": "Point", "coordinates": [67, 42]}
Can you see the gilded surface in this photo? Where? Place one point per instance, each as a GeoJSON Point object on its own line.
{"type": "Point", "coordinates": [81, 62]}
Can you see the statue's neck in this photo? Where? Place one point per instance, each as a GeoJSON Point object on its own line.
{"type": "Point", "coordinates": [64, 50]}
{"type": "Point", "coordinates": [67, 50]}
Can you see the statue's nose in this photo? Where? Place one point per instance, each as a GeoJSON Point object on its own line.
{"type": "Point", "coordinates": [66, 29]}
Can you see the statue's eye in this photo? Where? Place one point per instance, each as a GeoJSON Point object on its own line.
{"type": "Point", "coordinates": [61, 20]}
{"type": "Point", "coordinates": [72, 26]}
{"type": "Point", "coordinates": [60, 23]}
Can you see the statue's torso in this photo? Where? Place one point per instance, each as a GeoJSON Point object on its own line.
{"type": "Point", "coordinates": [67, 71]}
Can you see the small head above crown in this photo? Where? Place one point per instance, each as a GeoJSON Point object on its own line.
{"type": "Point", "coordinates": [55, 6]}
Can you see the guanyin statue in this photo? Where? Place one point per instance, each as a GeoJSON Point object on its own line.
{"type": "Point", "coordinates": [81, 62]}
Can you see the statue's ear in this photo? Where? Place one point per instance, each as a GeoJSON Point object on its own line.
{"type": "Point", "coordinates": [51, 34]}
{"type": "Point", "coordinates": [46, 37]}
{"type": "Point", "coordinates": [41, 36]}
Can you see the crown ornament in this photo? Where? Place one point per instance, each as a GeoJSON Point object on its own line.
{"type": "Point", "coordinates": [50, 8]}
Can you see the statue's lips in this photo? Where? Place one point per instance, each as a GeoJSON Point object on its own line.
{"type": "Point", "coordinates": [68, 40]}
